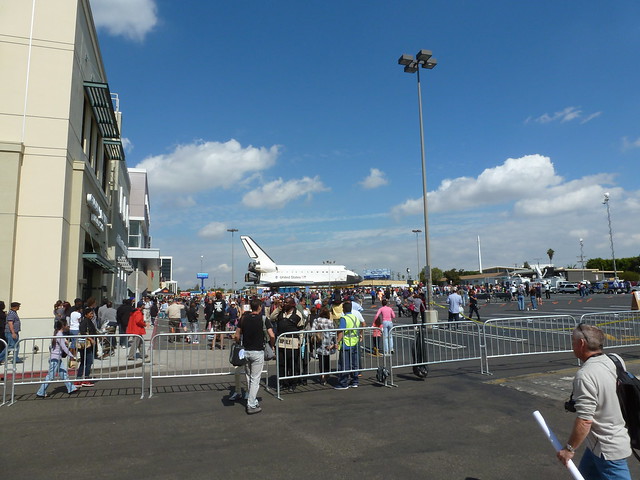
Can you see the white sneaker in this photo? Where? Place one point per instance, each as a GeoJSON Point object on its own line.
{"type": "Point", "coordinates": [234, 396]}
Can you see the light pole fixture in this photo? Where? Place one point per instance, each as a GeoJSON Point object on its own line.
{"type": "Point", "coordinates": [233, 283]}
{"type": "Point", "coordinates": [418, 232]}
{"type": "Point", "coordinates": [422, 59]}
{"type": "Point", "coordinates": [613, 253]}
{"type": "Point", "coordinates": [329, 263]}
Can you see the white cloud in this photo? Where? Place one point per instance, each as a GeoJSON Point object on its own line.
{"type": "Point", "coordinates": [514, 179]}
{"type": "Point", "coordinates": [630, 144]}
{"type": "Point", "coordinates": [127, 145]}
{"type": "Point", "coordinates": [206, 165]}
{"type": "Point", "coordinates": [588, 118]}
{"type": "Point", "coordinates": [566, 115]}
{"type": "Point", "coordinates": [132, 19]}
{"type": "Point", "coordinates": [185, 202]}
{"type": "Point", "coordinates": [375, 179]}
{"type": "Point", "coordinates": [278, 193]}
{"type": "Point", "coordinates": [213, 230]}
{"type": "Point", "coordinates": [223, 268]}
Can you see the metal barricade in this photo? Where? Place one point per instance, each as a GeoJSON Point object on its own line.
{"type": "Point", "coordinates": [183, 355]}
{"type": "Point", "coordinates": [3, 369]}
{"type": "Point", "coordinates": [301, 356]}
{"type": "Point", "coordinates": [621, 329]}
{"type": "Point", "coordinates": [97, 360]}
{"type": "Point", "coordinates": [442, 342]}
{"type": "Point", "coordinates": [527, 336]}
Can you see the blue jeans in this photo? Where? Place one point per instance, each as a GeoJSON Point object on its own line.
{"type": "Point", "coordinates": [520, 302]}
{"type": "Point", "coordinates": [12, 344]}
{"type": "Point", "coordinates": [56, 367]}
{"type": "Point", "coordinates": [596, 468]}
{"type": "Point", "coordinates": [534, 303]}
{"type": "Point", "coordinates": [86, 362]}
{"type": "Point", "coordinates": [387, 339]}
{"type": "Point", "coordinates": [348, 360]}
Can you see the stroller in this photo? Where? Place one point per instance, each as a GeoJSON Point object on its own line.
{"type": "Point", "coordinates": [108, 344]}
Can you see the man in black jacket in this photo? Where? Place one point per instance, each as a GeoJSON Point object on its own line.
{"type": "Point", "coordinates": [288, 320]}
{"type": "Point", "coordinates": [122, 317]}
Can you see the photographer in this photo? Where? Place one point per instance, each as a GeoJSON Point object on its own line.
{"type": "Point", "coordinates": [599, 418]}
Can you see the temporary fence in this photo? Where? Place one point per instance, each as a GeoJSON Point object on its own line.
{"type": "Point", "coordinates": [309, 354]}
{"type": "Point", "coordinates": [98, 359]}
{"type": "Point", "coordinates": [621, 329]}
{"type": "Point", "coordinates": [3, 369]}
{"type": "Point", "coordinates": [195, 354]}
{"type": "Point", "coordinates": [312, 354]}
{"type": "Point", "coordinates": [423, 344]}
{"type": "Point", "coordinates": [508, 337]}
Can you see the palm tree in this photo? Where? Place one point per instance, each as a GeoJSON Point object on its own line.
{"type": "Point", "coordinates": [550, 253]}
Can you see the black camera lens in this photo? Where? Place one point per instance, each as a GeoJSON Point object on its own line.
{"type": "Point", "coordinates": [570, 406]}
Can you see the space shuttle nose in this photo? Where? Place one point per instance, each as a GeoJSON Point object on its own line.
{"type": "Point", "coordinates": [354, 278]}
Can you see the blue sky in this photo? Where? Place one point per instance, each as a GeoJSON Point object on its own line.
{"type": "Point", "coordinates": [292, 122]}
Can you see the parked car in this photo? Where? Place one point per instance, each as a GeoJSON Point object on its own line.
{"type": "Point", "coordinates": [568, 288]}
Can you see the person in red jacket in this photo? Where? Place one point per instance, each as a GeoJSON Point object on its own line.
{"type": "Point", "coordinates": [136, 326]}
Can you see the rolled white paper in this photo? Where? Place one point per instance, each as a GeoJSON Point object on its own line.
{"type": "Point", "coordinates": [556, 444]}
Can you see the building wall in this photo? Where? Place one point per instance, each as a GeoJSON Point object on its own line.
{"type": "Point", "coordinates": [50, 158]}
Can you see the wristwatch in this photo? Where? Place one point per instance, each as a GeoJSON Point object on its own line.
{"type": "Point", "coordinates": [569, 448]}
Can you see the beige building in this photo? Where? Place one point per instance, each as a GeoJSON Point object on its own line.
{"type": "Point", "coordinates": [64, 188]}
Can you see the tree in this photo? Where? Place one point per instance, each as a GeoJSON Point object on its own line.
{"type": "Point", "coordinates": [550, 253]}
{"type": "Point", "coordinates": [436, 275]}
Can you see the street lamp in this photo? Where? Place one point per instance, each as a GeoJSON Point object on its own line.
{"type": "Point", "coordinates": [613, 254]}
{"type": "Point", "coordinates": [423, 59]}
{"type": "Point", "coordinates": [582, 257]}
{"type": "Point", "coordinates": [233, 283]}
{"type": "Point", "coordinates": [329, 263]}
{"type": "Point", "coordinates": [418, 232]}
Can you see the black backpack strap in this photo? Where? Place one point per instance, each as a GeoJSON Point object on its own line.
{"type": "Point", "coordinates": [620, 369]}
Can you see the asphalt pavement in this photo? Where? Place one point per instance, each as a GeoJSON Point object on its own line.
{"type": "Point", "coordinates": [455, 424]}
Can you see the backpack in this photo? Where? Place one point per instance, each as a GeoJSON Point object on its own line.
{"type": "Point", "coordinates": [628, 391]}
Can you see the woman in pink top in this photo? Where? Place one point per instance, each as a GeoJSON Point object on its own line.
{"type": "Point", "coordinates": [386, 315]}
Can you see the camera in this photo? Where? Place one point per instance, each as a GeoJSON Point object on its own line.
{"type": "Point", "coordinates": [570, 405]}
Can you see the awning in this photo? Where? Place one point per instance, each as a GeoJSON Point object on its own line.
{"type": "Point", "coordinates": [99, 260]}
{"type": "Point", "coordinates": [100, 100]}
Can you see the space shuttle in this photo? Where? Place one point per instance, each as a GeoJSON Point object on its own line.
{"type": "Point", "coordinates": [264, 271]}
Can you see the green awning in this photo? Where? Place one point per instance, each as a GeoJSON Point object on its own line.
{"type": "Point", "coordinates": [99, 260]}
{"type": "Point", "coordinates": [100, 100]}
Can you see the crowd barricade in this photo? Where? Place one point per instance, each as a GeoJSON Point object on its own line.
{"type": "Point", "coordinates": [423, 344]}
{"type": "Point", "coordinates": [507, 337]}
{"type": "Point", "coordinates": [192, 354]}
{"type": "Point", "coordinates": [30, 364]}
{"type": "Point", "coordinates": [299, 355]}
{"type": "Point", "coordinates": [621, 329]}
{"type": "Point", "coordinates": [3, 370]}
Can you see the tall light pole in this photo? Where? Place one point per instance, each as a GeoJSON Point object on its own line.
{"type": "Point", "coordinates": [329, 263]}
{"type": "Point", "coordinates": [582, 257]}
{"type": "Point", "coordinates": [418, 232]}
{"type": "Point", "coordinates": [613, 254]}
{"type": "Point", "coordinates": [423, 59]}
{"type": "Point", "coordinates": [233, 277]}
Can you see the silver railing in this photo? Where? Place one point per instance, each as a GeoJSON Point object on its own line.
{"type": "Point", "coordinates": [424, 344]}
{"type": "Point", "coordinates": [31, 366]}
{"type": "Point", "coordinates": [181, 355]}
{"type": "Point", "coordinates": [507, 337]}
{"type": "Point", "coordinates": [621, 329]}
{"type": "Point", "coordinates": [3, 371]}
{"type": "Point", "coordinates": [299, 356]}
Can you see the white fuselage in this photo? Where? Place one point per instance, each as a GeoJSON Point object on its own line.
{"type": "Point", "coordinates": [309, 275]}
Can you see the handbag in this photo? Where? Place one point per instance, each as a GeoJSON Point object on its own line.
{"type": "Point", "coordinates": [268, 352]}
{"type": "Point", "coordinates": [236, 355]}
{"type": "Point", "coordinates": [86, 343]}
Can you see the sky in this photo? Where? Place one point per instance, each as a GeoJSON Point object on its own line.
{"type": "Point", "coordinates": [293, 122]}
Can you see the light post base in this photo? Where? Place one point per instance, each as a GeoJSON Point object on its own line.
{"type": "Point", "coordinates": [431, 316]}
